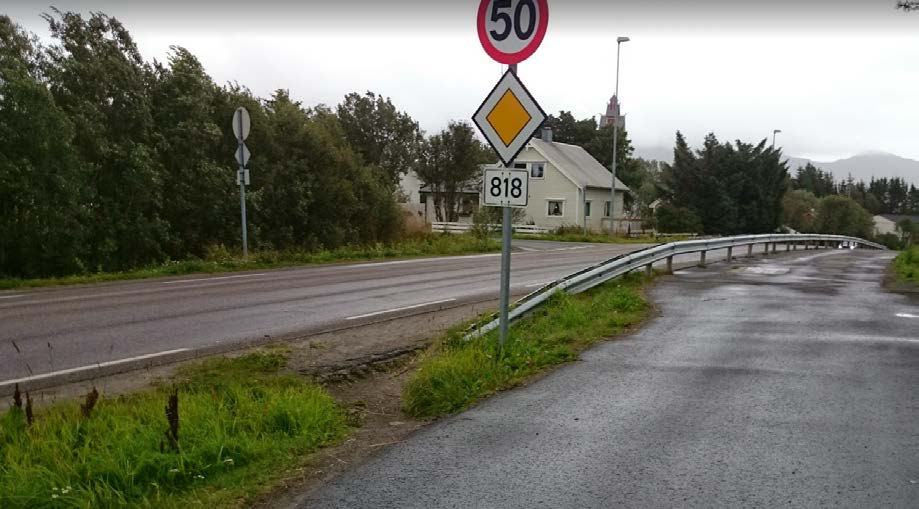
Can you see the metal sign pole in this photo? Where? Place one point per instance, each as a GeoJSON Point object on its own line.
{"type": "Point", "coordinates": [506, 230]}
{"type": "Point", "coordinates": [242, 193]}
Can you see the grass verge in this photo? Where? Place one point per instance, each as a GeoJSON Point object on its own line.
{"type": "Point", "coordinates": [907, 265]}
{"type": "Point", "coordinates": [241, 424]}
{"type": "Point", "coordinates": [221, 260]}
{"type": "Point", "coordinates": [456, 373]}
{"type": "Point", "coordinates": [598, 238]}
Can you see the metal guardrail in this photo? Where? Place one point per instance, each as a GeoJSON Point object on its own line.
{"type": "Point", "coordinates": [614, 267]}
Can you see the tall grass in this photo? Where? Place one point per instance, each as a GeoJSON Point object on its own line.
{"type": "Point", "coordinates": [220, 259]}
{"type": "Point", "coordinates": [239, 423]}
{"type": "Point", "coordinates": [457, 373]}
{"type": "Point", "coordinates": [907, 264]}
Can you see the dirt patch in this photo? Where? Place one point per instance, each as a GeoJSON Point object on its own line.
{"type": "Point", "coordinates": [375, 405]}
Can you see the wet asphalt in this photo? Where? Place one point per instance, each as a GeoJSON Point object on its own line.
{"type": "Point", "coordinates": [786, 381]}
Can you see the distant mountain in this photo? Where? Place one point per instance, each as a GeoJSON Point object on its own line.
{"type": "Point", "coordinates": [861, 166]}
{"type": "Point", "coordinates": [864, 166]}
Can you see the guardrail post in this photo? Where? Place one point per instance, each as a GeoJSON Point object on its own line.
{"type": "Point", "coordinates": [794, 246]}
{"type": "Point", "coordinates": [670, 264]}
{"type": "Point", "coordinates": [648, 270]}
{"type": "Point", "coordinates": [775, 247]}
{"type": "Point", "coordinates": [730, 253]}
{"type": "Point", "coordinates": [766, 248]}
{"type": "Point", "coordinates": [788, 246]}
{"type": "Point", "coordinates": [750, 251]}
{"type": "Point", "coordinates": [702, 259]}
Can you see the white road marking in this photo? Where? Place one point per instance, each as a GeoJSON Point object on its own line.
{"type": "Point", "coordinates": [416, 260]}
{"type": "Point", "coordinates": [207, 279]}
{"type": "Point", "coordinates": [11, 296]}
{"type": "Point", "coordinates": [94, 366]}
{"type": "Point", "coordinates": [375, 313]}
{"type": "Point", "coordinates": [907, 315]}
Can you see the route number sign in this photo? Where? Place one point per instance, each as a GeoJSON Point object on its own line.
{"type": "Point", "coordinates": [511, 30]}
{"type": "Point", "coordinates": [506, 188]}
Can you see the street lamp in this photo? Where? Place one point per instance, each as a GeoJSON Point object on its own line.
{"type": "Point", "coordinates": [774, 132]}
{"type": "Point", "coordinates": [612, 191]}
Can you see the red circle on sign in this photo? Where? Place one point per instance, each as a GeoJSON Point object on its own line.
{"type": "Point", "coordinates": [529, 49]}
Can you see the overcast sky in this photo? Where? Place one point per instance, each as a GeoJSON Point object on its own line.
{"type": "Point", "coordinates": [837, 77]}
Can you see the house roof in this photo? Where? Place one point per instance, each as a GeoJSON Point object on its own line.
{"type": "Point", "coordinates": [899, 217]}
{"type": "Point", "coordinates": [576, 164]}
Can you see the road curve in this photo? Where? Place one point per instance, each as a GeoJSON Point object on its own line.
{"type": "Point", "coordinates": [789, 380]}
{"type": "Point", "coordinates": [68, 329]}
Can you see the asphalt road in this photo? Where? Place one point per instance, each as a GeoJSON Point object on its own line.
{"type": "Point", "coordinates": [787, 381]}
{"type": "Point", "coordinates": [72, 330]}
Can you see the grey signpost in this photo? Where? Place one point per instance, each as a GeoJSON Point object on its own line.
{"type": "Point", "coordinates": [510, 31]}
{"type": "Point", "coordinates": [241, 127]}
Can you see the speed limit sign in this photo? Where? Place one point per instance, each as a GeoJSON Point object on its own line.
{"type": "Point", "coordinates": [506, 188]}
{"type": "Point", "coordinates": [511, 30]}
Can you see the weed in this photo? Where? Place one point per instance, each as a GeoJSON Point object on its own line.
{"type": "Point", "coordinates": [907, 264]}
{"type": "Point", "coordinates": [86, 408]}
{"type": "Point", "coordinates": [172, 417]}
{"type": "Point", "coordinates": [243, 424]}
{"type": "Point", "coordinates": [455, 372]}
{"type": "Point", "coordinates": [17, 397]}
{"type": "Point", "coordinates": [30, 417]}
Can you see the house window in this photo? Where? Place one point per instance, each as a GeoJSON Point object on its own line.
{"type": "Point", "coordinates": [520, 166]}
{"type": "Point", "coordinates": [555, 208]}
{"type": "Point", "coordinates": [537, 170]}
{"type": "Point", "coordinates": [424, 198]}
{"type": "Point", "coordinates": [606, 209]}
{"type": "Point", "coordinates": [587, 209]}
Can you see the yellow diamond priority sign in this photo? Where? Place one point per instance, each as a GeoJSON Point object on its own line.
{"type": "Point", "coordinates": [509, 117]}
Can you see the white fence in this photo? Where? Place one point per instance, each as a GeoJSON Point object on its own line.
{"type": "Point", "coordinates": [465, 227]}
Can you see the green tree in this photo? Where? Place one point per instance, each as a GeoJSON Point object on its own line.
{"type": "Point", "coordinates": [566, 129]}
{"type": "Point", "coordinates": [733, 189]}
{"type": "Point", "coordinates": [799, 210]}
{"type": "Point", "coordinates": [198, 179]}
{"type": "Point", "coordinates": [818, 182]}
{"type": "Point", "coordinates": [98, 78]}
{"type": "Point", "coordinates": [907, 230]}
{"type": "Point", "coordinates": [672, 219]}
{"type": "Point", "coordinates": [42, 185]}
{"type": "Point", "coordinates": [841, 215]}
{"type": "Point", "coordinates": [451, 161]}
{"type": "Point", "coordinates": [388, 139]}
{"type": "Point", "coordinates": [316, 193]}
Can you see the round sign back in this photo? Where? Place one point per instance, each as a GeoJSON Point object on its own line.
{"type": "Point", "coordinates": [511, 30]}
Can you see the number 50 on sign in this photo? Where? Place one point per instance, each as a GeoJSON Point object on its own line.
{"type": "Point", "coordinates": [506, 188]}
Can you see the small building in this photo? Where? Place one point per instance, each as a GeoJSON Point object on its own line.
{"type": "Point", "coordinates": [887, 223]}
{"type": "Point", "coordinates": [568, 187]}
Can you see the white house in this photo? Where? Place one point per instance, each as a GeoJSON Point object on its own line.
{"type": "Point", "coordinates": [568, 187]}
{"type": "Point", "coordinates": [887, 223]}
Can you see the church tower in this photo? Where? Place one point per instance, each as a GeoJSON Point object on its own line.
{"type": "Point", "coordinates": [612, 113]}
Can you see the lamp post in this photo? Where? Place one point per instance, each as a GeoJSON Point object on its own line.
{"type": "Point", "coordinates": [774, 132]}
{"type": "Point", "coordinates": [612, 191]}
